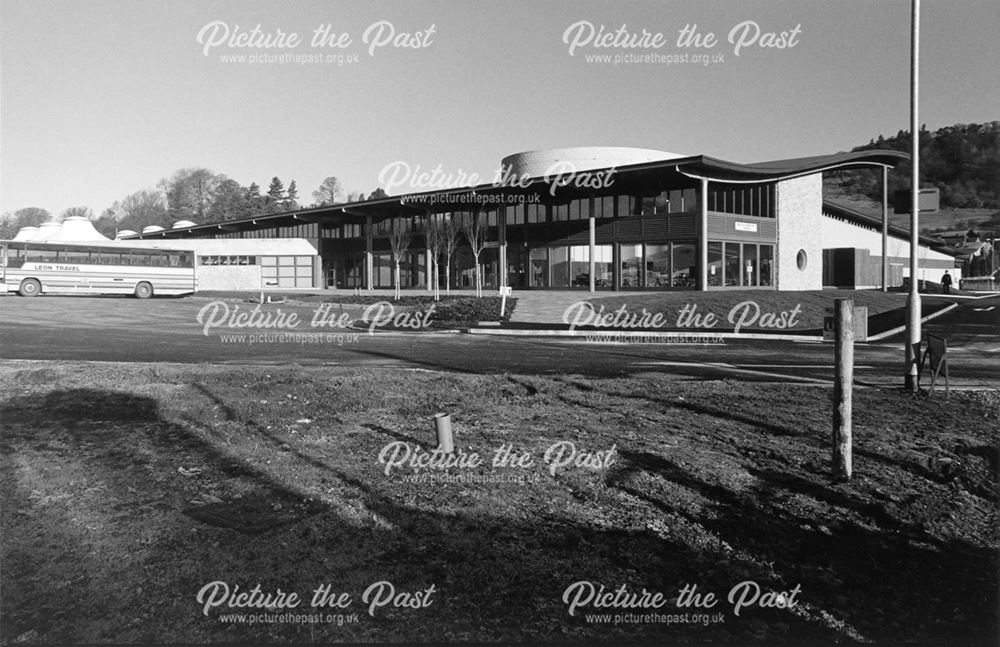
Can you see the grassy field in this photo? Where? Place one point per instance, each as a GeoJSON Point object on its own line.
{"type": "Point", "coordinates": [128, 488]}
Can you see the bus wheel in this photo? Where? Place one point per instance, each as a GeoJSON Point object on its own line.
{"type": "Point", "coordinates": [30, 288]}
{"type": "Point", "coordinates": [143, 290]}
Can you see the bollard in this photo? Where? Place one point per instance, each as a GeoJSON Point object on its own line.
{"type": "Point", "coordinates": [842, 387]}
{"type": "Point", "coordinates": [442, 422]}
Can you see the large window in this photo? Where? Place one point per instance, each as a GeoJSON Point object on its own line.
{"type": "Point", "coordinates": [685, 265]}
{"type": "Point", "coordinates": [657, 266]}
{"type": "Point", "coordinates": [714, 264]}
{"type": "Point", "coordinates": [539, 261]}
{"type": "Point", "coordinates": [766, 265]}
{"type": "Point", "coordinates": [751, 265]}
{"type": "Point", "coordinates": [755, 200]}
{"type": "Point", "coordinates": [287, 271]}
{"type": "Point", "coordinates": [559, 267]}
{"type": "Point", "coordinates": [732, 255]}
{"type": "Point", "coordinates": [631, 266]}
{"type": "Point", "coordinates": [579, 257]}
{"type": "Point", "coordinates": [745, 265]}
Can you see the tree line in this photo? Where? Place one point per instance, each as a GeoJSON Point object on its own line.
{"type": "Point", "coordinates": [195, 194]}
{"type": "Point", "coordinates": [963, 161]}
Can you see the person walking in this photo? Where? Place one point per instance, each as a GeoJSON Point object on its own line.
{"type": "Point", "coordinates": [946, 283]}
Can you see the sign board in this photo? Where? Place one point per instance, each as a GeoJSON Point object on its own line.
{"type": "Point", "coordinates": [505, 290]}
{"type": "Point", "coordinates": [746, 226]}
{"type": "Point", "coordinates": [928, 200]}
{"type": "Point", "coordinates": [937, 353]}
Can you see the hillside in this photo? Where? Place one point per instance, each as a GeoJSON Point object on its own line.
{"type": "Point", "coordinates": [963, 161]}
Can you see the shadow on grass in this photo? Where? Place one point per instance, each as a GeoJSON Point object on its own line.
{"type": "Point", "coordinates": [497, 577]}
{"type": "Point", "coordinates": [889, 579]}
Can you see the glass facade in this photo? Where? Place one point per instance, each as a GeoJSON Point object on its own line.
{"type": "Point", "coordinates": [740, 265]}
{"type": "Point", "coordinates": [647, 239]}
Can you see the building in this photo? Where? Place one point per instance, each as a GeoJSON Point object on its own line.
{"type": "Point", "coordinates": [852, 251]}
{"type": "Point", "coordinates": [594, 218]}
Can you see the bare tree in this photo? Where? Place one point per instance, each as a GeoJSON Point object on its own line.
{"type": "Point", "coordinates": [77, 212]}
{"type": "Point", "coordinates": [434, 237]}
{"type": "Point", "coordinates": [328, 192]}
{"type": "Point", "coordinates": [475, 227]}
{"type": "Point", "coordinates": [400, 237]}
{"type": "Point", "coordinates": [451, 233]}
{"type": "Point", "coordinates": [189, 192]}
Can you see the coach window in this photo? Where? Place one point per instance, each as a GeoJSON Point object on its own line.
{"type": "Point", "coordinates": [76, 256]}
{"type": "Point", "coordinates": [41, 255]}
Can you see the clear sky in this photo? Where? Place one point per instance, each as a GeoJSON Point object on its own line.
{"type": "Point", "coordinates": [102, 98]}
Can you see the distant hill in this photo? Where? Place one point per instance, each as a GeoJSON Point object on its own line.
{"type": "Point", "coordinates": [963, 161]}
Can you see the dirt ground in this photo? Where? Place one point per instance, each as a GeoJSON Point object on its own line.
{"type": "Point", "coordinates": [126, 489]}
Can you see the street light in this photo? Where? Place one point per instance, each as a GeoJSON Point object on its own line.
{"type": "Point", "coordinates": [912, 350]}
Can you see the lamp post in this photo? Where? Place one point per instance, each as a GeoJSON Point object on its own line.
{"type": "Point", "coordinates": [913, 300]}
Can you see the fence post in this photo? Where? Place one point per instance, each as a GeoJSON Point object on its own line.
{"type": "Point", "coordinates": [842, 388]}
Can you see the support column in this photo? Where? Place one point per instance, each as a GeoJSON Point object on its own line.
{"type": "Point", "coordinates": [703, 236]}
{"type": "Point", "coordinates": [369, 260]}
{"type": "Point", "coordinates": [429, 270]}
{"type": "Point", "coordinates": [593, 247]}
{"type": "Point", "coordinates": [885, 228]}
{"type": "Point", "coordinates": [502, 240]}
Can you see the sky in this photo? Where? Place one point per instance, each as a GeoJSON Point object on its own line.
{"type": "Point", "coordinates": [103, 98]}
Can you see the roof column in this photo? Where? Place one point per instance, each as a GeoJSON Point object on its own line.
{"type": "Point", "coordinates": [703, 236]}
{"type": "Point", "coordinates": [885, 228]}
{"type": "Point", "coordinates": [593, 245]}
{"type": "Point", "coordinates": [369, 261]}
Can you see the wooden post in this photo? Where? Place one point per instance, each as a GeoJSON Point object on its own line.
{"type": "Point", "coordinates": [842, 386]}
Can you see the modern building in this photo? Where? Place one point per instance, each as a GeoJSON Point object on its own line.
{"type": "Point", "coordinates": [600, 219]}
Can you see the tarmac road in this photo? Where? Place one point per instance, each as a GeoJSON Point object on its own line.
{"type": "Point", "coordinates": [167, 330]}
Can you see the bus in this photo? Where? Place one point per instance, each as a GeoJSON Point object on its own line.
{"type": "Point", "coordinates": [33, 268]}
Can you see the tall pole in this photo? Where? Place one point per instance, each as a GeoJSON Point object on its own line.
{"type": "Point", "coordinates": [913, 301]}
{"type": "Point", "coordinates": [885, 228]}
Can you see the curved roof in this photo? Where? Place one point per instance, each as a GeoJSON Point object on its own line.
{"type": "Point", "coordinates": [721, 170]}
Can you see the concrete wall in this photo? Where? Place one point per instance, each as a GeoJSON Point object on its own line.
{"type": "Point", "coordinates": [799, 215]}
{"type": "Point", "coordinates": [835, 233]}
{"type": "Point", "coordinates": [229, 277]}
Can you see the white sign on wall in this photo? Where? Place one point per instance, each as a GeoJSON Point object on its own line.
{"type": "Point", "coordinates": [746, 226]}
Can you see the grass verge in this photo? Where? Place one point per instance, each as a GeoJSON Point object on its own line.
{"type": "Point", "coordinates": [127, 488]}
